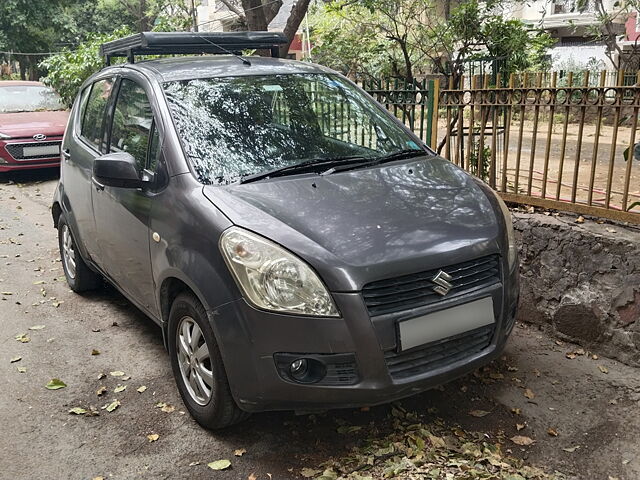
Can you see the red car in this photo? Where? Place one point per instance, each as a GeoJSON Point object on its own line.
{"type": "Point", "coordinates": [32, 122]}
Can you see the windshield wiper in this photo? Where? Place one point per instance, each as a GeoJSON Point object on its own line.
{"type": "Point", "coordinates": [303, 167]}
{"type": "Point", "coordinates": [372, 161]}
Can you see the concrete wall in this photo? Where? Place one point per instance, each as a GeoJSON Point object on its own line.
{"type": "Point", "coordinates": [582, 282]}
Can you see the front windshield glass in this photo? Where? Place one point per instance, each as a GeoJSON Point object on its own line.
{"type": "Point", "coordinates": [28, 98]}
{"type": "Point", "coordinates": [236, 126]}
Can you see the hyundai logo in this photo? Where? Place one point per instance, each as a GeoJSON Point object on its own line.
{"type": "Point", "coordinates": [442, 281]}
{"type": "Point", "coordinates": [39, 137]}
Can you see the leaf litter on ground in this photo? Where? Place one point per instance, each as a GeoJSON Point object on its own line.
{"type": "Point", "coordinates": [414, 449]}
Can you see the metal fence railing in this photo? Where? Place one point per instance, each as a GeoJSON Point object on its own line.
{"type": "Point", "coordinates": [414, 103]}
{"type": "Point", "coordinates": [567, 143]}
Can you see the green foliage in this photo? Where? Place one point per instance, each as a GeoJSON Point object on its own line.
{"type": "Point", "coordinates": [346, 42]}
{"type": "Point", "coordinates": [407, 37]}
{"type": "Point", "coordinates": [68, 70]}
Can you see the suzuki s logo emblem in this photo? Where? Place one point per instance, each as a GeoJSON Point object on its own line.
{"type": "Point", "coordinates": [443, 283]}
{"type": "Point", "coordinates": [39, 137]}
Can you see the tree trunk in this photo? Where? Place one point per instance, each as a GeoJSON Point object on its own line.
{"type": "Point", "coordinates": [296, 16]}
{"type": "Point", "coordinates": [254, 13]}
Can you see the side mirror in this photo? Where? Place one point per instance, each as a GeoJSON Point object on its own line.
{"type": "Point", "coordinates": [117, 169]}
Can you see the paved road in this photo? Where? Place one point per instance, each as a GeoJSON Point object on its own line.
{"type": "Point", "coordinates": [594, 411]}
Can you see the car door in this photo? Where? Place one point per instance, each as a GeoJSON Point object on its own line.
{"type": "Point", "coordinates": [122, 214]}
{"type": "Point", "coordinates": [80, 150]}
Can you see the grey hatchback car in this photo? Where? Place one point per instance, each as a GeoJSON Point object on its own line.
{"type": "Point", "coordinates": [299, 247]}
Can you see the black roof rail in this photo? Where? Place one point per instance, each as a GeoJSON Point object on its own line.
{"type": "Point", "coordinates": [178, 43]}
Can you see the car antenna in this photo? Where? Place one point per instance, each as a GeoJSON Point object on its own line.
{"type": "Point", "coordinates": [240, 57]}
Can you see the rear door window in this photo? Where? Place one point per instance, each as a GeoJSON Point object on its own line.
{"type": "Point", "coordinates": [94, 115]}
{"type": "Point", "coordinates": [132, 120]}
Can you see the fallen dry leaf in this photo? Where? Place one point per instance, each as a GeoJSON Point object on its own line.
{"type": "Point", "coordinates": [141, 389]}
{"type": "Point", "coordinates": [580, 219]}
{"type": "Point", "coordinates": [167, 408]}
{"type": "Point", "coordinates": [101, 390]}
{"type": "Point", "coordinates": [570, 355]}
{"type": "Point", "coordinates": [23, 338]}
{"type": "Point", "coordinates": [479, 413]}
{"type": "Point", "coordinates": [117, 373]}
{"type": "Point", "coordinates": [78, 411]}
{"type": "Point", "coordinates": [552, 432]}
{"type": "Point", "coordinates": [219, 464]}
{"type": "Point", "coordinates": [571, 449]}
{"type": "Point", "coordinates": [603, 369]}
{"type": "Point", "coordinates": [529, 394]}
{"type": "Point", "coordinates": [520, 426]}
{"type": "Point", "coordinates": [252, 476]}
{"type": "Point", "coordinates": [55, 384]}
{"type": "Point", "coordinates": [112, 406]}
{"type": "Point", "coordinates": [15, 359]}
{"type": "Point", "coordinates": [153, 437]}
{"type": "Point", "coordinates": [119, 388]}
{"type": "Point", "coordinates": [22, 370]}
{"type": "Point", "coordinates": [521, 440]}
{"type": "Point", "coordinates": [37, 327]}
{"type": "Point", "coordinates": [516, 411]}
{"type": "Point", "coordinates": [239, 452]}
{"type": "Point", "coordinates": [95, 352]}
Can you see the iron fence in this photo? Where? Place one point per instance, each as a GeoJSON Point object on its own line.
{"type": "Point", "coordinates": [569, 145]}
{"type": "Point", "coordinates": [414, 103]}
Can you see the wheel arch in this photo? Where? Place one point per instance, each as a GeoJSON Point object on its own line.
{"type": "Point", "coordinates": [56, 211]}
{"type": "Point", "coordinates": [170, 288]}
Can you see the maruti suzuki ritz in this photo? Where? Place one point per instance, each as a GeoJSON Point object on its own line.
{"type": "Point", "coordinates": [299, 246]}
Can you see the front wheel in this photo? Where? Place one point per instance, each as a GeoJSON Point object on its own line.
{"type": "Point", "coordinates": [197, 366]}
{"type": "Point", "coordinates": [79, 276]}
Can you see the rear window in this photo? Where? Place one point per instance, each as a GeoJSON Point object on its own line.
{"type": "Point", "coordinates": [29, 98]}
{"type": "Point", "coordinates": [94, 113]}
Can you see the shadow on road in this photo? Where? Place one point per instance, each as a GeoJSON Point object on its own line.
{"type": "Point", "coordinates": [30, 177]}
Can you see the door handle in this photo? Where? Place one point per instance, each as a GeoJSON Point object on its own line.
{"type": "Point", "coordinates": [97, 184]}
{"type": "Point", "coordinates": [66, 154]}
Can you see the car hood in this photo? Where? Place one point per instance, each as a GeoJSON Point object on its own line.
{"type": "Point", "coordinates": [368, 224]}
{"type": "Point", "coordinates": [28, 124]}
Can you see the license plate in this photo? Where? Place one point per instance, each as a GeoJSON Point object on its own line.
{"type": "Point", "coordinates": [47, 150]}
{"type": "Point", "coordinates": [446, 323]}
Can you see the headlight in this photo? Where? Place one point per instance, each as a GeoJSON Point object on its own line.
{"type": "Point", "coordinates": [512, 255]}
{"type": "Point", "coordinates": [272, 278]}
{"type": "Point", "coordinates": [4, 136]}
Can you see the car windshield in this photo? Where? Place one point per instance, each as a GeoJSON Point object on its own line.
{"type": "Point", "coordinates": [28, 98]}
{"type": "Point", "coordinates": [233, 127]}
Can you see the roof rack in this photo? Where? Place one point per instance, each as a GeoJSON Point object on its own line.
{"type": "Point", "coordinates": [177, 43]}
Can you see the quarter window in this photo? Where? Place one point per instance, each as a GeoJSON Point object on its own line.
{"type": "Point", "coordinates": [94, 114]}
{"type": "Point", "coordinates": [132, 120]}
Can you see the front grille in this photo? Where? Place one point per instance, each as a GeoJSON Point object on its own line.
{"type": "Point", "coordinates": [16, 150]}
{"type": "Point", "coordinates": [340, 374]}
{"type": "Point", "coordinates": [438, 354]}
{"type": "Point", "coordinates": [415, 290]}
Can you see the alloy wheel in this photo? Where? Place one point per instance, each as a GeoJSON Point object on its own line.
{"type": "Point", "coordinates": [68, 252]}
{"type": "Point", "coordinates": [194, 361]}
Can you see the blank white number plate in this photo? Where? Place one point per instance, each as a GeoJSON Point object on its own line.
{"type": "Point", "coordinates": [446, 323]}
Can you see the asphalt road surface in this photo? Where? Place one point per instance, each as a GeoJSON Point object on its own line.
{"type": "Point", "coordinates": [593, 405]}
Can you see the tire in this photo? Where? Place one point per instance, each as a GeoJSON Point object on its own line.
{"type": "Point", "coordinates": [202, 381]}
{"type": "Point", "coordinates": [79, 276]}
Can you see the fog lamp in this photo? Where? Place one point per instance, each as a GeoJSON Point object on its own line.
{"type": "Point", "coordinates": [298, 368]}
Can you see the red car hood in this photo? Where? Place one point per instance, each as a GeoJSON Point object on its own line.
{"type": "Point", "coordinates": [28, 124]}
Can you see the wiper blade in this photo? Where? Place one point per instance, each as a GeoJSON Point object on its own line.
{"type": "Point", "coordinates": [369, 162]}
{"type": "Point", "coordinates": [306, 166]}
{"type": "Point", "coordinates": [406, 153]}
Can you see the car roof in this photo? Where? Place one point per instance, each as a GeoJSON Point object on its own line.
{"type": "Point", "coordinates": [9, 83]}
{"type": "Point", "coordinates": [208, 66]}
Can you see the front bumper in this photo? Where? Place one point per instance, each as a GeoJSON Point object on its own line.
{"type": "Point", "coordinates": [10, 163]}
{"type": "Point", "coordinates": [250, 338]}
